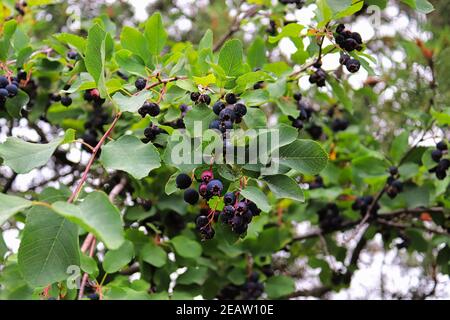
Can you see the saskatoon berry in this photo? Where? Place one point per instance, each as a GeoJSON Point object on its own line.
{"type": "Point", "coordinates": [353, 65]}
{"type": "Point", "coordinates": [227, 214]}
{"type": "Point", "coordinates": [4, 93]}
{"type": "Point", "coordinates": [357, 37]}
{"type": "Point", "coordinates": [240, 110]}
{"type": "Point", "coordinates": [229, 198]}
{"type": "Point", "coordinates": [436, 155]}
{"type": "Point", "coordinates": [22, 75]}
{"type": "Point", "coordinates": [191, 196]}
{"type": "Point", "coordinates": [66, 101]}
{"type": "Point", "coordinates": [153, 109]}
{"type": "Point", "coordinates": [258, 85]}
{"type": "Point", "coordinates": [204, 98]}
{"type": "Point", "coordinates": [3, 81]}
{"type": "Point", "coordinates": [227, 115]}
{"type": "Point", "coordinates": [340, 28]}
{"type": "Point", "coordinates": [247, 216]}
{"type": "Point", "coordinates": [207, 176]}
{"type": "Point", "coordinates": [315, 131]}
{"type": "Point", "coordinates": [225, 125]}
{"type": "Point", "coordinates": [444, 164]}
{"type": "Point", "coordinates": [12, 90]}
{"type": "Point", "coordinates": [202, 189]}
{"type": "Point", "coordinates": [297, 123]}
{"type": "Point", "coordinates": [72, 55]}
{"type": "Point", "coordinates": [230, 98]}
{"type": "Point", "coordinates": [93, 296]}
{"type": "Point", "coordinates": [214, 187]}
{"type": "Point", "coordinates": [393, 170]}
{"type": "Point", "coordinates": [241, 208]}
{"type": "Point", "coordinates": [195, 96]}
{"type": "Point", "coordinates": [215, 124]}
{"type": "Point", "coordinates": [442, 145]}
{"type": "Point", "coordinates": [397, 185]}
{"type": "Point", "coordinates": [218, 106]}
{"type": "Point", "coordinates": [344, 58]}
{"type": "Point", "coordinates": [140, 83]}
{"type": "Point", "coordinates": [183, 108]}
{"type": "Point", "coordinates": [441, 174]}
{"type": "Point", "coordinates": [208, 233]}
{"type": "Point", "coordinates": [183, 181]}
{"type": "Point", "coordinates": [350, 44]}
{"type": "Point", "coordinates": [298, 96]}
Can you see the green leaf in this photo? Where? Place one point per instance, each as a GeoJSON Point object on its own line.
{"type": "Point", "coordinates": [193, 275]}
{"type": "Point", "coordinates": [154, 255]}
{"type": "Point", "coordinates": [131, 62]}
{"type": "Point", "coordinates": [256, 54]}
{"type": "Point", "coordinates": [287, 107]}
{"type": "Point", "coordinates": [73, 40]}
{"type": "Point", "coordinates": [97, 215]}
{"type": "Point", "coordinates": [255, 97]}
{"type": "Point", "coordinates": [207, 41]}
{"type": "Point", "coordinates": [155, 33]}
{"type": "Point", "coordinates": [399, 146]}
{"type": "Point", "coordinates": [199, 114]}
{"type": "Point", "coordinates": [10, 205]}
{"type": "Point", "coordinates": [279, 287]}
{"type": "Point", "coordinates": [230, 57]}
{"type": "Point", "coordinates": [324, 12]}
{"type": "Point", "coordinates": [258, 197]}
{"type": "Point", "coordinates": [48, 247]}
{"type": "Point", "coordinates": [186, 247]}
{"type": "Point", "coordinates": [423, 6]}
{"type": "Point", "coordinates": [291, 30]}
{"type": "Point", "coordinates": [339, 5]}
{"type": "Point", "coordinates": [134, 41]}
{"type": "Point", "coordinates": [9, 28]}
{"type": "Point", "coordinates": [95, 57]}
{"type": "Point", "coordinates": [23, 156]}
{"type": "Point", "coordinates": [131, 103]}
{"type": "Point", "coordinates": [89, 265]}
{"type": "Point", "coordinates": [117, 259]}
{"type": "Point", "coordinates": [305, 156]}
{"type": "Point", "coordinates": [131, 155]}
{"type": "Point", "coordinates": [255, 118]}
{"type": "Point", "coordinates": [284, 187]}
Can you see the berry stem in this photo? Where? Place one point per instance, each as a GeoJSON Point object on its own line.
{"type": "Point", "coordinates": [91, 160]}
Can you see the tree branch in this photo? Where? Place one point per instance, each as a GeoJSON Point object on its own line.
{"type": "Point", "coordinates": [235, 26]}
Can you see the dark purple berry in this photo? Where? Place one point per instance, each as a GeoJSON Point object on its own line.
{"type": "Point", "coordinates": [183, 181]}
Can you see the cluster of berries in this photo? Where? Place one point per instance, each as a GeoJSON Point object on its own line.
{"type": "Point", "coordinates": [238, 213]}
{"type": "Point", "coordinates": [442, 164]}
{"type": "Point", "coordinates": [394, 186]}
{"type": "Point", "coordinates": [229, 113]}
{"type": "Point", "coordinates": [305, 113]}
{"type": "Point", "coordinates": [149, 108]}
{"type": "Point", "coordinates": [251, 290]}
{"type": "Point", "coordinates": [329, 217]}
{"type": "Point", "coordinates": [97, 119]}
{"type": "Point", "coordinates": [337, 123]}
{"type": "Point", "coordinates": [198, 97]}
{"type": "Point", "coordinates": [319, 76]}
{"type": "Point", "coordinates": [151, 132]}
{"type": "Point", "coordinates": [363, 204]}
{"type": "Point", "coordinates": [349, 41]}
{"type": "Point", "coordinates": [66, 100]}
{"type": "Point", "coordinates": [9, 88]}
